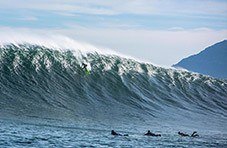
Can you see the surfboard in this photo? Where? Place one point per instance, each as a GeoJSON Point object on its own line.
{"type": "Point", "coordinates": [87, 72]}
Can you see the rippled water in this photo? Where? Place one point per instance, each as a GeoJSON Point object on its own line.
{"type": "Point", "coordinates": [14, 134]}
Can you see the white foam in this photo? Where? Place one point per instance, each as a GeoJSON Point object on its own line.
{"type": "Point", "coordinates": [51, 39]}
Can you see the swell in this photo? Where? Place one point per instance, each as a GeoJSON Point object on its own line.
{"type": "Point", "coordinates": [47, 83]}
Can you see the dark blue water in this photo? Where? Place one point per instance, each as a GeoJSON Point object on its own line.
{"type": "Point", "coordinates": [15, 134]}
{"type": "Point", "coordinates": [47, 100]}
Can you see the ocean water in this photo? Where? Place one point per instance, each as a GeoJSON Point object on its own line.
{"type": "Point", "coordinates": [47, 100]}
{"type": "Point", "coordinates": [14, 134]}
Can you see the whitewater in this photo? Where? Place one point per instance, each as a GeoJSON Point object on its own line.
{"type": "Point", "coordinates": [47, 100]}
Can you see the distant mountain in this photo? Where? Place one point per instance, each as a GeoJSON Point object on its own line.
{"type": "Point", "coordinates": [211, 61]}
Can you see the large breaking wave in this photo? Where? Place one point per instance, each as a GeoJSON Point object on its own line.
{"type": "Point", "coordinates": [41, 82]}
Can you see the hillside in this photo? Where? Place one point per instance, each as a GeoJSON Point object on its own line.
{"type": "Point", "coordinates": [211, 61]}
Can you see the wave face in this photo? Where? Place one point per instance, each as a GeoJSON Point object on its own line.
{"type": "Point", "coordinates": [40, 82]}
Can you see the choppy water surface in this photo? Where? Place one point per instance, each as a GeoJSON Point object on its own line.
{"type": "Point", "coordinates": [28, 135]}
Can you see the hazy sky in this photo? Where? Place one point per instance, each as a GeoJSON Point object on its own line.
{"type": "Point", "coordinates": [157, 31]}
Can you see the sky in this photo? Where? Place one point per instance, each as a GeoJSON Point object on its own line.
{"type": "Point", "coordinates": [156, 31]}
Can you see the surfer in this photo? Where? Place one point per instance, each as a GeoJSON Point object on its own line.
{"type": "Point", "coordinates": [84, 66]}
{"type": "Point", "coordinates": [149, 133]}
{"type": "Point", "coordinates": [117, 134]}
{"type": "Point", "coordinates": [183, 134]}
{"type": "Point", "coordinates": [194, 134]}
